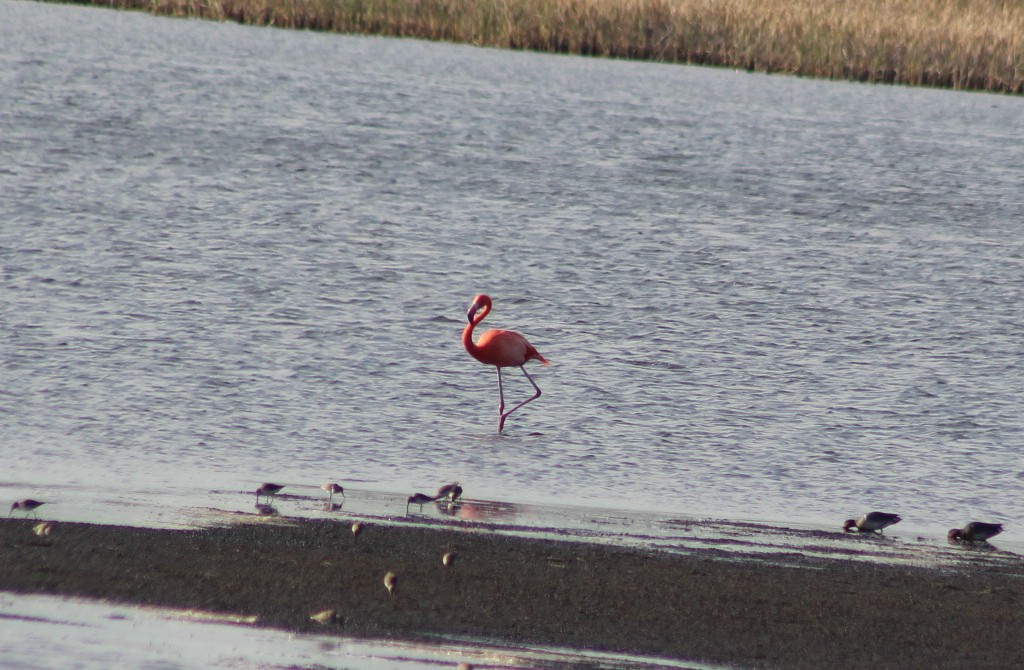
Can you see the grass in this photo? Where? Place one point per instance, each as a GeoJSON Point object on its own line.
{"type": "Point", "coordinates": [960, 44]}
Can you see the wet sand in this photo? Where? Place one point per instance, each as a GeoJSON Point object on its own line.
{"type": "Point", "coordinates": [709, 606]}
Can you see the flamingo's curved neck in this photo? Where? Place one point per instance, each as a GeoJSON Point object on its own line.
{"type": "Point", "coordinates": [467, 332]}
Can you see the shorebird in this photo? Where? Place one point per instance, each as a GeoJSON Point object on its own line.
{"type": "Point", "coordinates": [326, 617]}
{"type": "Point", "coordinates": [267, 490]}
{"type": "Point", "coordinates": [333, 488]}
{"type": "Point", "coordinates": [27, 505]}
{"type": "Point", "coordinates": [448, 560]}
{"type": "Point", "coordinates": [391, 583]}
{"type": "Point", "coordinates": [871, 522]}
{"type": "Point", "coordinates": [450, 491]}
{"type": "Point", "coordinates": [975, 531]}
{"type": "Point", "coordinates": [420, 499]}
{"type": "Point", "coordinates": [44, 529]}
{"type": "Point", "coordinates": [357, 528]}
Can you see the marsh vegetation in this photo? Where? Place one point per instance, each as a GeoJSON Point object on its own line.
{"type": "Point", "coordinates": [957, 44]}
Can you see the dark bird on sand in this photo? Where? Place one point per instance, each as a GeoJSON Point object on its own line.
{"type": "Point", "coordinates": [26, 505]}
{"type": "Point", "coordinates": [391, 583]}
{"type": "Point", "coordinates": [450, 491]}
{"type": "Point", "coordinates": [326, 617]}
{"type": "Point", "coordinates": [420, 499]}
{"type": "Point", "coordinates": [871, 522]}
{"type": "Point", "coordinates": [975, 531]}
{"type": "Point", "coordinates": [332, 488]}
{"type": "Point", "coordinates": [267, 490]}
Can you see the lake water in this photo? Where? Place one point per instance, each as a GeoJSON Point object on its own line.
{"type": "Point", "coordinates": [232, 254]}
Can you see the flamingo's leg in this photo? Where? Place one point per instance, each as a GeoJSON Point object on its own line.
{"type": "Point", "coordinates": [536, 395]}
{"type": "Point", "coordinates": [501, 393]}
{"type": "Point", "coordinates": [501, 402]}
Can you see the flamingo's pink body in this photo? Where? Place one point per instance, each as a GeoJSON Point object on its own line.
{"type": "Point", "coordinates": [500, 348]}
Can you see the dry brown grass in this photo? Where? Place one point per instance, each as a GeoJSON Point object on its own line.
{"type": "Point", "coordinates": [962, 44]}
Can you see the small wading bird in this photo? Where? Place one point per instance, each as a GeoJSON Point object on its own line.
{"type": "Point", "coordinates": [975, 531]}
{"type": "Point", "coordinates": [333, 488]}
{"type": "Point", "coordinates": [44, 529]}
{"type": "Point", "coordinates": [268, 491]}
{"type": "Point", "coordinates": [420, 499]}
{"type": "Point", "coordinates": [326, 617]}
{"type": "Point", "coordinates": [871, 522]}
{"type": "Point", "coordinates": [450, 491]}
{"type": "Point", "coordinates": [27, 505]}
{"type": "Point", "coordinates": [502, 349]}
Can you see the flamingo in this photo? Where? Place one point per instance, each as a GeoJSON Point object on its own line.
{"type": "Point", "coordinates": [502, 349]}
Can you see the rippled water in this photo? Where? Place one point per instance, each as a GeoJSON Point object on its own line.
{"type": "Point", "coordinates": [232, 254]}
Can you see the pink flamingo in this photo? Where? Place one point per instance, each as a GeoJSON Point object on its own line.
{"type": "Point", "coordinates": [502, 349]}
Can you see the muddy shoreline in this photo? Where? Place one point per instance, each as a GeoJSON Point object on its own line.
{"type": "Point", "coordinates": [750, 612]}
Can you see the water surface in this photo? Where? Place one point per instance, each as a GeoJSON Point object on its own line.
{"type": "Point", "coordinates": [232, 254]}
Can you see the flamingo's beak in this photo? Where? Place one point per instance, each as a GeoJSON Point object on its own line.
{"type": "Point", "coordinates": [472, 312]}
